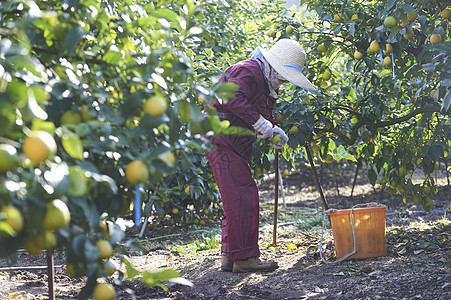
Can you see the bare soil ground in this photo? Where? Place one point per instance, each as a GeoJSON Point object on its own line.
{"type": "Point", "coordinates": [417, 264]}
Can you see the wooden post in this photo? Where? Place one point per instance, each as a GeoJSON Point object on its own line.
{"type": "Point", "coordinates": [276, 197]}
{"type": "Point", "coordinates": [50, 275]}
{"type": "Point", "coordinates": [447, 172]}
{"type": "Point", "coordinates": [315, 176]}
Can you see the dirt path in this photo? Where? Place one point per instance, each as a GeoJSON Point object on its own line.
{"type": "Point", "coordinates": [417, 264]}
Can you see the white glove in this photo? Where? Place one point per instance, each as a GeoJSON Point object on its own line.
{"type": "Point", "coordinates": [278, 131]}
{"type": "Point", "coordinates": [263, 128]}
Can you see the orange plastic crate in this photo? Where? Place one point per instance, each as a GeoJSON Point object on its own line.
{"type": "Point", "coordinates": [369, 225]}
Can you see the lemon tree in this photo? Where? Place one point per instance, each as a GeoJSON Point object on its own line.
{"type": "Point", "coordinates": [377, 105]}
{"type": "Point", "coordinates": [87, 89]}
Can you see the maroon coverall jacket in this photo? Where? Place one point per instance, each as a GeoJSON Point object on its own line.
{"type": "Point", "coordinates": [230, 160]}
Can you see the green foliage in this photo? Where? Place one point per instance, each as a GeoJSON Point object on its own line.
{"type": "Point", "coordinates": [154, 278]}
{"type": "Point", "coordinates": [208, 244]}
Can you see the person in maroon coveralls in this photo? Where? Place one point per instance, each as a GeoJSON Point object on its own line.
{"type": "Point", "coordinates": [258, 79]}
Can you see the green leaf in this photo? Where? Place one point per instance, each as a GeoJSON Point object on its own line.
{"type": "Point", "coordinates": [91, 251]}
{"type": "Point", "coordinates": [148, 279]}
{"type": "Point", "coordinates": [446, 102]}
{"type": "Point", "coordinates": [352, 95]}
{"type": "Point", "coordinates": [191, 7]}
{"type": "Point", "coordinates": [165, 275]}
{"type": "Point", "coordinates": [112, 56]}
{"type": "Point", "coordinates": [349, 157]}
{"type": "Point", "coordinates": [131, 271]}
{"type": "Point", "coordinates": [166, 14]}
{"type": "Point", "coordinates": [72, 38]}
{"type": "Point", "coordinates": [6, 229]}
{"type": "Point", "coordinates": [73, 146]}
{"type": "Point", "coordinates": [372, 176]}
{"type": "Point", "coordinates": [226, 90]}
{"type": "Point", "coordinates": [331, 145]}
{"type": "Point", "coordinates": [408, 8]}
{"type": "Point", "coordinates": [184, 110]}
{"type": "Point", "coordinates": [159, 80]}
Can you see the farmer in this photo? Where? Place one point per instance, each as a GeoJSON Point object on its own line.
{"type": "Point", "coordinates": [258, 79]}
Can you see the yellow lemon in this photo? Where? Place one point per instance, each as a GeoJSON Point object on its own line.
{"type": "Point", "coordinates": [104, 291]}
{"type": "Point", "coordinates": [47, 240]}
{"type": "Point", "coordinates": [85, 115]}
{"type": "Point", "coordinates": [106, 250]}
{"type": "Point", "coordinates": [70, 117]}
{"type": "Point", "coordinates": [12, 217]}
{"type": "Point", "coordinates": [355, 18]}
{"type": "Point", "coordinates": [167, 157]}
{"type": "Point", "coordinates": [390, 22]}
{"type": "Point", "coordinates": [358, 55]}
{"type": "Point", "coordinates": [136, 172]}
{"type": "Point", "coordinates": [32, 247]}
{"type": "Point", "coordinates": [155, 106]}
{"type": "Point", "coordinates": [329, 158]}
{"type": "Point", "coordinates": [201, 99]}
{"type": "Point", "coordinates": [321, 48]}
{"type": "Point", "coordinates": [109, 268]}
{"type": "Point", "coordinates": [276, 138]}
{"type": "Point", "coordinates": [374, 46]}
{"type": "Point", "coordinates": [436, 38]}
{"type": "Point", "coordinates": [39, 146]}
{"type": "Point", "coordinates": [388, 49]}
{"type": "Point", "coordinates": [294, 130]}
{"type": "Point", "coordinates": [338, 18]}
{"type": "Point", "coordinates": [280, 118]}
{"type": "Point", "coordinates": [387, 61]}
{"type": "Point", "coordinates": [412, 16]}
{"type": "Point", "coordinates": [8, 158]}
{"type": "Point", "coordinates": [271, 33]}
{"type": "Point", "coordinates": [432, 93]}
{"type": "Point", "coordinates": [326, 75]}
{"type": "Point", "coordinates": [446, 13]}
{"type": "Point", "coordinates": [57, 215]}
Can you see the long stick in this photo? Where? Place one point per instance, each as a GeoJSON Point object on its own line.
{"type": "Point", "coordinates": [50, 275]}
{"type": "Point", "coordinates": [315, 176]}
{"type": "Point", "coordinates": [276, 197]}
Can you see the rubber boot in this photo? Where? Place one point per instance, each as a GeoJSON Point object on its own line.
{"type": "Point", "coordinates": [254, 264]}
{"type": "Point", "coordinates": [226, 264]}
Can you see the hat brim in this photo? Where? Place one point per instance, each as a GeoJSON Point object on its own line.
{"type": "Point", "coordinates": [293, 76]}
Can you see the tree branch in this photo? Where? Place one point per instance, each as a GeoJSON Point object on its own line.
{"type": "Point", "coordinates": [380, 124]}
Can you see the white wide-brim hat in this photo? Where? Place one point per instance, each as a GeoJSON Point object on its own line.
{"type": "Point", "coordinates": [287, 57]}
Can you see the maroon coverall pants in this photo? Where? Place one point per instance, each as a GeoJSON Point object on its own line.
{"type": "Point", "coordinates": [230, 160]}
{"type": "Point", "coordinates": [240, 201]}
